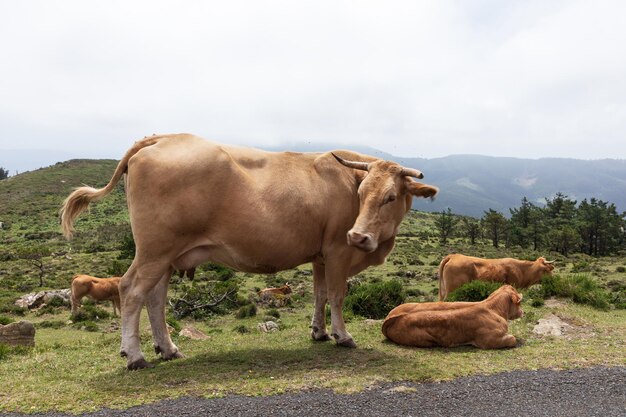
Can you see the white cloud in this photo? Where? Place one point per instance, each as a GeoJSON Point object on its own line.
{"type": "Point", "coordinates": [525, 79]}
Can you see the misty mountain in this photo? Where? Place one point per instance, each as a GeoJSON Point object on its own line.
{"type": "Point", "coordinates": [469, 184]}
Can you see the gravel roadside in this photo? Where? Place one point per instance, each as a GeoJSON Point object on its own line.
{"type": "Point", "coordinates": [580, 392]}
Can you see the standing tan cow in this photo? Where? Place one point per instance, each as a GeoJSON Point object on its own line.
{"type": "Point", "coordinates": [456, 270]}
{"type": "Point", "coordinates": [192, 201]}
{"type": "Point", "coordinates": [483, 324]}
{"type": "Point", "coordinates": [99, 289]}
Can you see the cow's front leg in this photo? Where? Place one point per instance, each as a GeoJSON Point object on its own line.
{"type": "Point", "coordinates": [318, 324]}
{"type": "Point", "coordinates": [155, 303]}
{"type": "Point", "coordinates": [496, 339]}
{"type": "Point", "coordinates": [336, 285]}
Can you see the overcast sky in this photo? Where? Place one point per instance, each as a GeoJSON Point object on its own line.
{"type": "Point", "coordinates": [427, 79]}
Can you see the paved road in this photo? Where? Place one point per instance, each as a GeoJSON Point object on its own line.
{"type": "Point", "coordinates": [581, 392]}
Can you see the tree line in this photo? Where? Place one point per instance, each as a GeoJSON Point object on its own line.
{"type": "Point", "coordinates": [562, 225]}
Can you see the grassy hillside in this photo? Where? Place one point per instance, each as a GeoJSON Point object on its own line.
{"type": "Point", "coordinates": [238, 358]}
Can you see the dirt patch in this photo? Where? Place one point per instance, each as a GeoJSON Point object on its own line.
{"type": "Point", "coordinates": [555, 326]}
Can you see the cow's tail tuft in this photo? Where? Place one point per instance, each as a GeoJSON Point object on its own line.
{"type": "Point", "coordinates": [442, 282]}
{"type": "Point", "coordinates": [80, 198]}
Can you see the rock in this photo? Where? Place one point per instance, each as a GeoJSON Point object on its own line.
{"type": "Point", "coordinates": [268, 327]}
{"type": "Point", "coordinates": [34, 300]}
{"type": "Point", "coordinates": [192, 333]}
{"type": "Point", "coordinates": [550, 326]}
{"type": "Point", "coordinates": [20, 333]}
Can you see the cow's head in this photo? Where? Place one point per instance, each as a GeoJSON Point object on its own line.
{"type": "Point", "coordinates": [509, 300]}
{"type": "Point", "coordinates": [385, 194]}
{"type": "Point", "coordinates": [544, 267]}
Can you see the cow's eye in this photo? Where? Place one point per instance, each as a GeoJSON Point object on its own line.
{"type": "Point", "coordinates": [389, 199]}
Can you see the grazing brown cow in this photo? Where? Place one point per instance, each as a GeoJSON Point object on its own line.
{"type": "Point", "coordinates": [483, 324]}
{"type": "Point", "coordinates": [99, 289]}
{"type": "Point", "coordinates": [270, 292]}
{"type": "Point", "coordinates": [192, 201]}
{"type": "Point", "coordinates": [456, 270]}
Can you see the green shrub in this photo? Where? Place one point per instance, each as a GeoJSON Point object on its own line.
{"type": "Point", "coordinates": [474, 291]}
{"type": "Point", "coordinates": [582, 289]}
{"type": "Point", "coordinates": [57, 302]}
{"type": "Point", "coordinates": [201, 299]}
{"type": "Point", "coordinates": [241, 329]}
{"type": "Point", "coordinates": [90, 312]}
{"type": "Point", "coordinates": [50, 324]}
{"type": "Point", "coordinates": [581, 266]}
{"type": "Point", "coordinates": [90, 326]}
{"type": "Point", "coordinates": [4, 320]}
{"type": "Point", "coordinates": [375, 300]}
{"type": "Point", "coordinates": [248, 310]}
{"type": "Point", "coordinates": [273, 312]}
{"type": "Point", "coordinates": [414, 292]}
{"type": "Point", "coordinates": [117, 268]}
{"type": "Point", "coordinates": [171, 320]}
{"type": "Point", "coordinates": [219, 272]}
{"type": "Point", "coordinates": [537, 302]}
{"type": "Point", "coordinates": [10, 308]}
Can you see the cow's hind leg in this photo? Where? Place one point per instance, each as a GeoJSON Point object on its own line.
{"type": "Point", "coordinates": [155, 302]}
{"type": "Point", "coordinates": [137, 282]}
{"type": "Point", "coordinates": [318, 324]}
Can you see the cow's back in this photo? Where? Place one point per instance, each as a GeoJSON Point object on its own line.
{"type": "Point", "coordinates": [252, 210]}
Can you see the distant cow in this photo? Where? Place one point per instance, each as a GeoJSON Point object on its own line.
{"type": "Point", "coordinates": [191, 201]}
{"type": "Point", "coordinates": [271, 292]}
{"type": "Point", "coordinates": [98, 289]}
{"type": "Point", "coordinates": [482, 324]}
{"type": "Point", "coordinates": [456, 270]}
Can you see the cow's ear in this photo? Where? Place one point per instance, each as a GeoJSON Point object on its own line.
{"type": "Point", "coordinates": [516, 297]}
{"type": "Point", "coordinates": [420, 190]}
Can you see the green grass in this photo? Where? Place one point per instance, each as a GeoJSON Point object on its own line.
{"type": "Point", "coordinates": [76, 371]}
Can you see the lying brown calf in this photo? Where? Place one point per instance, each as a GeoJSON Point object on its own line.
{"type": "Point", "coordinates": [99, 289]}
{"type": "Point", "coordinates": [483, 324]}
{"type": "Point", "coordinates": [270, 292]}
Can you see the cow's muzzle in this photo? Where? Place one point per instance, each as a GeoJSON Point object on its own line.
{"type": "Point", "coordinates": [363, 241]}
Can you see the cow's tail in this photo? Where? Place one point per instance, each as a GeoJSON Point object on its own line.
{"type": "Point", "coordinates": [80, 198]}
{"type": "Point", "coordinates": [442, 282]}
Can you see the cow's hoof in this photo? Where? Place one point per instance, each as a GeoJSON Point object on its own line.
{"type": "Point", "coordinates": [349, 343]}
{"type": "Point", "coordinates": [139, 364]}
{"type": "Point", "coordinates": [175, 355]}
{"type": "Point", "coordinates": [319, 336]}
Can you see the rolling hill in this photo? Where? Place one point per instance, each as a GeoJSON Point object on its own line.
{"type": "Point", "coordinates": [471, 184]}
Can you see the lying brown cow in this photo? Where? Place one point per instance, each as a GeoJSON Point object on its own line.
{"type": "Point", "coordinates": [456, 270]}
{"type": "Point", "coordinates": [192, 201]}
{"type": "Point", "coordinates": [482, 324]}
{"type": "Point", "coordinates": [270, 292]}
{"type": "Point", "coordinates": [99, 289]}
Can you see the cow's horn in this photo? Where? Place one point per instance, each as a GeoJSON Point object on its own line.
{"type": "Point", "coordinates": [548, 262]}
{"type": "Point", "coordinates": [410, 172]}
{"type": "Point", "coordinates": [364, 166]}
